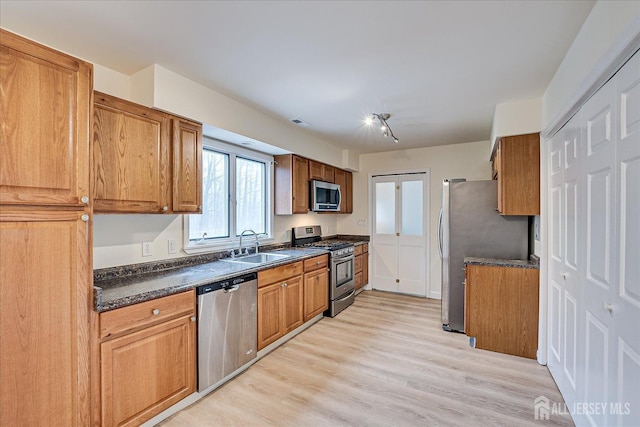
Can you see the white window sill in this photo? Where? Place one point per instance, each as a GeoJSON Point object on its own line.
{"type": "Point", "coordinates": [195, 248]}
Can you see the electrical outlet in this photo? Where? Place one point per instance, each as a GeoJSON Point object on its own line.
{"type": "Point", "coordinates": [362, 223]}
{"type": "Point", "coordinates": [147, 248]}
{"type": "Point", "coordinates": [173, 246]}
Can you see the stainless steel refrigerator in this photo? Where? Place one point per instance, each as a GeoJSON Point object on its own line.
{"type": "Point", "coordinates": [470, 226]}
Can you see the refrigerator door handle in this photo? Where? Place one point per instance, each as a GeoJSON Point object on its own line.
{"type": "Point", "coordinates": [440, 233]}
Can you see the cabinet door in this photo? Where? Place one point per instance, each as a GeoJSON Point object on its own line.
{"type": "Point", "coordinates": [519, 175]}
{"type": "Point", "coordinates": [131, 157]}
{"type": "Point", "coordinates": [365, 268]}
{"type": "Point", "coordinates": [187, 166]}
{"type": "Point", "coordinates": [293, 303]}
{"type": "Point", "coordinates": [328, 173]}
{"type": "Point", "coordinates": [341, 180]}
{"type": "Point", "coordinates": [45, 298]}
{"type": "Point", "coordinates": [316, 293]}
{"type": "Point", "coordinates": [146, 372]}
{"type": "Point", "coordinates": [347, 194]}
{"type": "Point", "coordinates": [45, 104]}
{"type": "Point", "coordinates": [315, 170]}
{"type": "Point", "coordinates": [269, 314]}
{"type": "Point", "coordinates": [300, 186]}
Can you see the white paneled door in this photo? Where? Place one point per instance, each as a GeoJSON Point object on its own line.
{"type": "Point", "coordinates": [400, 210]}
{"type": "Point", "coordinates": [594, 255]}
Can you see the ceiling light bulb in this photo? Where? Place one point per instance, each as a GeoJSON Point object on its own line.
{"type": "Point", "coordinates": [368, 120]}
{"type": "Point", "coordinates": [395, 139]}
{"type": "Point", "coordinates": [383, 128]}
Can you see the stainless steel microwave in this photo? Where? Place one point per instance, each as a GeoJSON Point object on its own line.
{"type": "Point", "coordinates": [324, 196]}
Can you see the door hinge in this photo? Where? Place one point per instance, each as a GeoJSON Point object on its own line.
{"type": "Point", "coordinates": [397, 280]}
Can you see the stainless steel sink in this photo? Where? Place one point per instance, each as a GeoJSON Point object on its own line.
{"type": "Point", "coordinates": [259, 258]}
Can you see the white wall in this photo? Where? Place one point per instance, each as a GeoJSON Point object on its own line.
{"type": "Point", "coordinates": [118, 238]}
{"type": "Point", "coordinates": [516, 118]}
{"type": "Point", "coordinates": [608, 22]}
{"type": "Point", "coordinates": [468, 160]}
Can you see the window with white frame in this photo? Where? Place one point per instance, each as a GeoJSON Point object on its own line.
{"type": "Point", "coordinates": [236, 196]}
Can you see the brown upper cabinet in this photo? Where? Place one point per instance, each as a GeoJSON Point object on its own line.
{"type": "Point", "coordinates": [516, 166]}
{"type": "Point", "coordinates": [321, 171]}
{"type": "Point", "coordinates": [292, 175]}
{"type": "Point", "coordinates": [46, 109]}
{"type": "Point", "coordinates": [291, 184]}
{"type": "Point", "coordinates": [133, 149]}
{"type": "Point", "coordinates": [187, 166]}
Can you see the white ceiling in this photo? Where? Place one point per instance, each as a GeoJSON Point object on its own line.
{"type": "Point", "coordinates": [439, 67]}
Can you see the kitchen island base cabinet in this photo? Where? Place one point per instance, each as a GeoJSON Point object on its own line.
{"type": "Point", "coordinates": [148, 365]}
{"type": "Point", "coordinates": [501, 309]}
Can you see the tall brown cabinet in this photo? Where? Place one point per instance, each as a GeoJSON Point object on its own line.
{"type": "Point", "coordinates": [45, 237]}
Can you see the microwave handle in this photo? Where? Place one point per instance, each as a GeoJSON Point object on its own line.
{"type": "Point", "coordinates": [339, 195]}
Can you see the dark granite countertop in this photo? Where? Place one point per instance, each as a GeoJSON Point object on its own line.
{"type": "Point", "coordinates": [112, 293]}
{"type": "Point", "coordinates": [517, 263]}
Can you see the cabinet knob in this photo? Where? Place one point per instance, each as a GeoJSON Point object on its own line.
{"type": "Point", "coordinates": [85, 217]}
{"type": "Point", "coordinates": [284, 285]}
{"type": "Point", "coordinates": [155, 311]}
{"type": "Point", "coordinates": [193, 318]}
{"type": "Point", "coordinates": [84, 199]}
{"type": "Point", "coordinates": [318, 263]}
{"type": "Point", "coordinates": [165, 208]}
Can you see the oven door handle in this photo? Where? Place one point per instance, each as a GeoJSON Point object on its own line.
{"type": "Point", "coordinates": [353, 291]}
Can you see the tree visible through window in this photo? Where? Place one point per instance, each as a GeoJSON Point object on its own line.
{"type": "Point", "coordinates": [234, 197]}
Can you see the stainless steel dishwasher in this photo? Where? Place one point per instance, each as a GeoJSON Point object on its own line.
{"type": "Point", "coordinates": [227, 328]}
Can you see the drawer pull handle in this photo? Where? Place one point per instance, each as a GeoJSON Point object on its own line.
{"type": "Point", "coordinates": [155, 311]}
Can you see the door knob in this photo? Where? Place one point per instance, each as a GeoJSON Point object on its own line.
{"type": "Point", "coordinates": [608, 306]}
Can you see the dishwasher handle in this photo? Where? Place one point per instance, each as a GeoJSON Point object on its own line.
{"type": "Point", "coordinates": [231, 289]}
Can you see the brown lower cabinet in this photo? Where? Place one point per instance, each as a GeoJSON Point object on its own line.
{"type": "Point", "coordinates": [361, 265]}
{"type": "Point", "coordinates": [501, 309]}
{"type": "Point", "coordinates": [148, 358]}
{"type": "Point", "coordinates": [280, 302]}
{"type": "Point", "coordinates": [316, 286]}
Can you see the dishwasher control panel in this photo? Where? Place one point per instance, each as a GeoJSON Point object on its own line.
{"type": "Point", "coordinates": [226, 284]}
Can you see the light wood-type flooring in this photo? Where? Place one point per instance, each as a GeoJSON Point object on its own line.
{"type": "Point", "coordinates": [384, 361]}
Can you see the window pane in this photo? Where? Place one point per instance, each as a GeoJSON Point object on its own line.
{"type": "Point", "coordinates": [412, 208]}
{"type": "Point", "coordinates": [215, 198]}
{"type": "Point", "coordinates": [385, 207]}
{"type": "Point", "coordinates": [250, 196]}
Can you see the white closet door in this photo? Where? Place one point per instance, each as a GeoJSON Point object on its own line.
{"type": "Point", "coordinates": [601, 259]}
{"type": "Point", "coordinates": [594, 254]}
{"type": "Point", "coordinates": [400, 233]}
{"type": "Point", "coordinates": [626, 297]}
{"type": "Point", "coordinates": [556, 258]}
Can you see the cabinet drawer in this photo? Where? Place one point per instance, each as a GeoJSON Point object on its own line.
{"type": "Point", "coordinates": [273, 275]}
{"type": "Point", "coordinates": [357, 250]}
{"type": "Point", "coordinates": [146, 313]}
{"type": "Point", "coordinates": [316, 263]}
{"type": "Point", "coordinates": [357, 264]}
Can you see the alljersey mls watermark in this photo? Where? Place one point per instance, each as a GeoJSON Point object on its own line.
{"type": "Point", "coordinates": [543, 408]}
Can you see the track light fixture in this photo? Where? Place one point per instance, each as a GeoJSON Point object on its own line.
{"type": "Point", "coordinates": [384, 126]}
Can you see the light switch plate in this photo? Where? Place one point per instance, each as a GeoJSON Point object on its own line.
{"type": "Point", "coordinates": [147, 248]}
{"type": "Point", "coordinates": [172, 246]}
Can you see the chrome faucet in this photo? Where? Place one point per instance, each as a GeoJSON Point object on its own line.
{"type": "Point", "coordinates": [242, 235]}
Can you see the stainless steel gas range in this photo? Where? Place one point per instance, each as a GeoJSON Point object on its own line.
{"type": "Point", "coordinates": [341, 272]}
